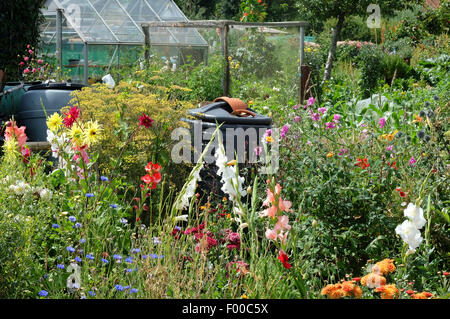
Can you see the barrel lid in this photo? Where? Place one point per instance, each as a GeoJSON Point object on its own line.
{"type": "Point", "coordinates": [220, 112]}
{"type": "Point", "coordinates": [56, 86]}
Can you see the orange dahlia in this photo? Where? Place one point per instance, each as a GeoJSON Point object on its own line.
{"type": "Point", "coordinates": [388, 291]}
{"type": "Point", "coordinates": [384, 267]}
{"type": "Point", "coordinates": [373, 280]}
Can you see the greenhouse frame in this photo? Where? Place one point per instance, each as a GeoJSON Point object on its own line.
{"type": "Point", "coordinates": [87, 37]}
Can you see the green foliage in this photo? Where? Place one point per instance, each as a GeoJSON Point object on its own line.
{"type": "Point", "coordinates": [369, 63]}
{"type": "Point", "coordinates": [394, 65]}
{"type": "Point", "coordinates": [20, 27]}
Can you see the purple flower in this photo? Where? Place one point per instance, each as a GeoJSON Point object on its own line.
{"type": "Point", "coordinates": [104, 178]}
{"type": "Point", "coordinates": [135, 250]}
{"type": "Point", "coordinates": [89, 256]}
{"type": "Point", "coordinates": [311, 101]}
{"type": "Point", "coordinates": [113, 206]}
{"type": "Point", "coordinates": [284, 130]}
{"type": "Point", "coordinates": [78, 259]}
{"type": "Point", "coordinates": [382, 122]}
{"type": "Point", "coordinates": [412, 161]}
{"type": "Point", "coordinates": [329, 125]}
{"type": "Point", "coordinates": [55, 226]}
{"type": "Point", "coordinates": [70, 249]}
{"type": "Point", "coordinates": [297, 119]}
{"type": "Point", "coordinates": [322, 110]}
{"type": "Point", "coordinates": [389, 148]}
{"type": "Point", "coordinates": [258, 150]}
{"type": "Point", "coordinates": [336, 118]}
{"type": "Point", "coordinates": [73, 219]}
{"type": "Point", "coordinates": [119, 287]}
{"type": "Point", "coordinates": [105, 261]}
{"type": "Point", "coordinates": [89, 195]}
{"type": "Point", "coordinates": [343, 151]}
{"type": "Point", "coordinates": [77, 225]}
{"type": "Point", "coordinates": [43, 293]}
{"type": "Point", "coordinates": [315, 116]}
{"type": "Point", "coordinates": [133, 290]}
{"type": "Point", "coordinates": [60, 266]}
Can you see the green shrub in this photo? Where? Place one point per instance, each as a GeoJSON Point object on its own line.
{"type": "Point", "coordinates": [370, 65]}
{"type": "Point", "coordinates": [393, 65]}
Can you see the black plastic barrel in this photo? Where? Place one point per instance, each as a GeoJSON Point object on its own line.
{"type": "Point", "coordinates": [30, 113]}
{"type": "Point", "coordinates": [246, 134]}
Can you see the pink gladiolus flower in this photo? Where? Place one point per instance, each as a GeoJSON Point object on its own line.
{"type": "Point", "coordinates": [382, 122]}
{"type": "Point", "coordinates": [18, 132]}
{"type": "Point", "coordinates": [271, 234]}
{"type": "Point", "coordinates": [283, 223]}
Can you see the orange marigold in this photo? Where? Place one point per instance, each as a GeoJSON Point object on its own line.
{"type": "Point", "coordinates": [422, 295]}
{"type": "Point", "coordinates": [373, 280]}
{"type": "Point", "coordinates": [388, 291]}
{"type": "Point", "coordinates": [384, 267]}
{"type": "Point", "coordinates": [357, 292]}
{"type": "Point", "coordinates": [347, 287]}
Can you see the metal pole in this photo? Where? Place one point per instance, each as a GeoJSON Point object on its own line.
{"type": "Point", "coordinates": [118, 62]}
{"type": "Point", "coordinates": [59, 40]}
{"type": "Point", "coordinates": [227, 63]}
{"type": "Point", "coordinates": [302, 59]}
{"type": "Point", "coordinates": [86, 64]}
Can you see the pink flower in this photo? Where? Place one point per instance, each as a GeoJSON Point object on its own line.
{"type": "Point", "coordinates": [382, 122]}
{"type": "Point", "coordinates": [329, 125]}
{"type": "Point", "coordinates": [311, 101]}
{"type": "Point", "coordinates": [258, 150]}
{"type": "Point", "coordinates": [283, 223]}
{"type": "Point", "coordinates": [34, 70]}
{"type": "Point", "coordinates": [28, 46]}
{"type": "Point", "coordinates": [12, 130]}
{"type": "Point", "coordinates": [315, 116]}
{"type": "Point", "coordinates": [309, 143]}
{"type": "Point", "coordinates": [40, 61]}
{"type": "Point", "coordinates": [271, 234]}
{"type": "Point", "coordinates": [343, 151]}
{"type": "Point", "coordinates": [297, 119]}
{"type": "Point", "coordinates": [145, 120]}
{"type": "Point", "coordinates": [412, 161]}
{"type": "Point", "coordinates": [322, 110]}
{"type": "Point", "coordinates": [22, 63]}
{"type": "Point", "coordinates": [336, 118]}
{"type": "Point", "coordinates": [26, 71]}
{"type": "Point", "coordinates": [30, 51]}
{"type": "Point", "coordinates": [389, 148]}
{"type": "Point", "coordinates": [284, 130]}
{"type": "Point", "coordinates": [26, 58]}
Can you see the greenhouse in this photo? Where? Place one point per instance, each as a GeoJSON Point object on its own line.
{"type": "Point", "coordinates": [88, 37]}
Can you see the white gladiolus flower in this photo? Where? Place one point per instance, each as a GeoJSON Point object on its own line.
{"type": "Point", "coordinates": [415, 214]}
{"type": "Point", "coordinates": [183, 218]}
{"type": "Point", "coordinates": [45, 194]}
{"type": "Point", "coordinates": [190, 188]}
{"type": "Point", "coordinates": [232, 184]}
{"type": "Point", "coordinates": [410, 234]}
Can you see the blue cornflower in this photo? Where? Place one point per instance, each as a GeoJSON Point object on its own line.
{"type": "Point", "coordinates": [133, 290]}
{"type": "Point", "coordinates": [77, 225]}
{"type": "Point", "coordinates": [60, 266]}
{"type": "Point", "coordinates": [78, 259]}
{"type": "Point", "coordinates": [73, 219]}
{"type": "Point", "coordinates": [177, 227]}
{"type": "Point", "coordinates": [105, 260]}
{"type": "Point", "coordinates": [123, 221]}
{"type": "Point", "coordinates": [144, 256]}
{"type": "Point", "coordinates": [70, 249]}
{"type": "Point", "coordinates": [156, 241]}
{"type": "Point", "coordinates": [43, 293]}
{"type": "Point", "coordinates": [104, 178]}
{"type": "Point", "coordinates": [129, 260]}
{"type": "Point", "coordinates": [117, 257]}
{"type": "Point", "coordinates": [55, 226]}
{"type": "Point", "coordinates": [154, 256]}
{"type": "Point", "coordinates": [82, 241]}
{"type": "Point", "coordinates": [135, 250]}
{"type": "Point", "coordinates": [89, 195]}
{"type": "Point", "coordinates": [126, 287]}
{"type": "Point", "coordinates": [129, 270]}
{"type": "Point", "coordinates": [119, 287]}
{"type": "Point", "coordinates": [92, 293]}
{"type": "Point", "coordinates": [436, 98]}
{"type": "Point", "coordinates": [89, 256]}
{"type": "Point", "coordinates": [113, 206]}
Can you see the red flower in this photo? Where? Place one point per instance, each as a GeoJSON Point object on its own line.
{"type": "Point", "coordinates": [356, 279]}
{"type": "Point", "coordinates": [145, 120]}
{"type": "Point", "coordinates": [284, 259]}
{"type": "Point", "coordinates": [402, 194]}
{"type": "Point", "coordinates": [71, 116]}
{"type": "Point", "coordinates": [445, 273]}
{"type": "Point", "coordinates": [394, 165]}
{"type": "Point", "coordinates": [363, 163]}
{"type": "Point", "coordinates": [409, 292]}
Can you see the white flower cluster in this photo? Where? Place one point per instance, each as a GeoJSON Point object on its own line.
{"type": "Point", "coordinates": [409, 230]}
{"type": "Point", "coordinates": [232, 182]}
{"type": "Point", "coordinates": [61, 144]}
{"type": "Point", "coordinates": [22, 188]}
{"type": "Point", "coordinates": [183, 202]}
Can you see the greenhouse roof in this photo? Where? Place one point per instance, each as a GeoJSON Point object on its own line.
{"type": "Point", "coordinates": [118, 22]}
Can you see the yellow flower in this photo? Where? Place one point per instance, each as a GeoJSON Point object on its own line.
{"type": "Point", "coordinates": [224, 199]}
{"type": "Point", "coordinates": [76, 133]}
{"type": "Point", "coordinates": [91, 133]}
{"type": "Point", "coordinates": [54, 122]}
{"type": "Point", "coordinates": [417, 119]}
{"type": "Point", "coordinates": [269, 139]}
{"type": "Point", "coordinates": [244, 297]}
{"type": "Point", "coordinates": [308, 50]}
{"type": "Point", "coordinates": [237, 65]}
{"type": "Point", "coordinates": [230, 58]}
{"type": "Point", "coordinates": [231, 163]}
{"type": "Point", "coordinates": [330, 154]}
{"type": "Point", "coordinates": [202, 207]}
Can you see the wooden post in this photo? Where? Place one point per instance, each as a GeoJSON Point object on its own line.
{"type": "Point", "coordinates": [224, 47]}
{"type": "Point", "coordinates": [304, 83]}
{"type": "Point", "coordinates": [146, 30]}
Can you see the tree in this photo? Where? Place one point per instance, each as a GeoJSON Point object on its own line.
{"type": "Point", "coordinates": [20, 26]}
{"type": "Point", "coordinates": [320, 10]}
